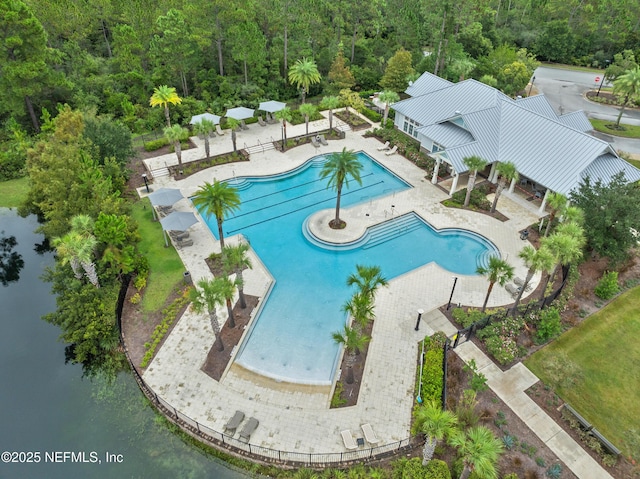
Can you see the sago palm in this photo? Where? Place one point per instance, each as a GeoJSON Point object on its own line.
{"type": "Point", "coordinates": [507, 172]}
{"type": "Point", "coordinates": [163, 96]}
{"type": "Point", "coordinates": [217, 200]}
{"type": "Point", "coordinates": [473, 163]}
{"type": "Point", "coordinates": [339, 168]}
{"type": "Point", "coordinates": [496, 271]}
{"type": "Point", "coordinates": [304, 73]}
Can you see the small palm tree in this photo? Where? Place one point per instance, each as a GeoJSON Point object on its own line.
{"type": "Point", "coordinates": [233, 124]}
{"type": "Point", "coordinates": [507, 172]}
{"type": "Point", "coordinates": [387, 97]}
{"type": "Point", "coordinates": [565, 249]}
{"type": "Point", "coordinates": [368, 279]}
{"type": "Point", "coordinates": [228, 289]}
{"type": "Point", "coordinates": [479, 450]}
{"type": "Point", "coordinates": [308, 110]}
{"type": "Point", "coordinates": [573, 214]}
{"type": "Point", "coordinates": [627, 85]}
{"type": "Point", "coordinates": [353, 342]}
{"type": "Point", "coordinates": [218, 200]}
{"type": "Point", "coordinates": [162, 96]}
{"type": "Point", "coordinates": [304, 73]}
{"type": "Point", "coordinates": [360, 308]}
{"type": "Point", "coordinates": [204, 129]}
{"type": "Point", "coordinates": [209, 296]}
{"type": "Point", "coordinates": [331, 103]}
{"type": "Point", "coordinates": [473, 163]}
{"type": "Point", "coordinates": [338, 168]}
{"type": "Point", "coordinates": [284, 116]}
{"type": "Point", "coordinates": [82, 244]}
{"type": "Point", "coordinates": [435, 423]}
{"type": "Point", "coordinates": [558, 203]}
{"type": "Point", "coordinates": [67, 248]}
{"type": "Point", "coordinates": [174, 134]}
{"type": "Point", "coordinates": [536, 260]}
{"type": "Point", "coordinates": [497, 271]}
{"type": "Point", "coordinates": [235, 261]}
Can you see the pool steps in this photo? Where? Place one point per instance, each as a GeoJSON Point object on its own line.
{"type": "Point", "coordinates": [392, 229]}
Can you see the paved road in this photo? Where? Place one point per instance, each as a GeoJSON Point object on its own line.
{"type": "Point", "coordinates": [565, 91]}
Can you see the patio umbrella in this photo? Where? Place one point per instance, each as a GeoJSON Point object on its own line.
{"type": "Point", "coordinates": [165, 197]}
{"type": "Point", "coordinates": [240, 113]}
{"type": "Point", "coordinates": [205, 116]}
{"type": "Point", "coordinates": [272, 106]}
{"type": "Point", "coordinates": [177, 221]}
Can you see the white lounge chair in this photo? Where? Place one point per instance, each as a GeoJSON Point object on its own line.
{"type": "Point", "coordinates": [233, 423]}
{"type": "Point", "coordinates": [392, 151]}
{"type": "Point", "coordinates": [261, 122]}
{"type": "Point", "coordinates": [384, 147]}
{"type": "Point", "coordinates": [219, 130]}
{"type": "Point", "coordinates": [369, 435]}
{"type": "Point", "coordinates": [248, 428]}
{"type": "Point", "coordinates": [348, 440]}
{"type": "Point", "coordinates": [519, 283]}
{"type": "Point", "coordinates": [243, 125]}
{"type": "Point", "coordinates": [323, 140]}
{"type": "Point", "coordinates": [512, 290]}
{"type": "Point", "coordinates": [314, 142]}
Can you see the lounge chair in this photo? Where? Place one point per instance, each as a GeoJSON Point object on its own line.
{"type": "Point", "coordinates": [271, 119]}
{"type": "Point", "coordinates": [219, 130]}
{"type": "Point", "coordinates": [179, 235]}
{"type": "Point", "coordinates": [261, 122]}
{"type": "Point", "coordinates": [248, 428]}
{"type": "Point", "coordinates": [323, 140]}
{"type": "Point", "coordinates": [369, 435]}
{"type": "Point", "coordinates": [512, 290]}
{"type": "Point", "coordinates": [184, 243]}
{"type": "Point", "coordinates": [392, 151]}
{"type": "Point", "coordinates": [348, 440]}
{"type": "Point", "coordinates": [314, 142]}
{"type": "Point", "coordinates": [384, 147]}
{"type": "Point", "coordinates": [519, 283]}
{"type": "Point", "coordinates": [233, 423]}
{"type": "Point", "coordinates": [243, 125]}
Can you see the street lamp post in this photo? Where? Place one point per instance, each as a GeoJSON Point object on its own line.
{"type": "Point", "coordinates": [146, 183]}
{"type": "Point", "coordinates": [455, 280]}
{"type": "Point", "coordinates": [532, 80]}
{"type": "Point", "coordinates": [420, 311]}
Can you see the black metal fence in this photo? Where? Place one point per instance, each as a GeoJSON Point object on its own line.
{"type": "Point", "coordinates": [466, 334]}
{"type": "Point", "coordinates": [238, 448]}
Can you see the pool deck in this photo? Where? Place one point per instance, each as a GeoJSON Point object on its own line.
{"type": "Point", "coordinates": [297, 418]}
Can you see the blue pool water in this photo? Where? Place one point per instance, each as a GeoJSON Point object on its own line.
{"type": "Point", "coordinates": [291, 338]}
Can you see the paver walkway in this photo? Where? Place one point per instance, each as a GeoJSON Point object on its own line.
{"type": "Point", "coordinates": [297, 418]}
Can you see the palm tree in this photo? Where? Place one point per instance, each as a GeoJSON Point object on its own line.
{"type": "Point", "coordinates": [536, 260]}
{"type": "Point", "coordinates": [497, 271]}
{"type": "Point", "coordinates": [565, 249]}
{"type": "Point", "coordinates": [387, 97]}
{"type": "Point", "coordinates": [209, 295]}
{"type": "Point", "coordinates": [203, 129]}
{"type": "Point", "coordinates": [353, 342]}
{"type": "Point", "coordinates": [435, 423]}
{"type": "Point", "coordinates": [284, 116]}
{"type": "Point", "coordinates": [85, 244]}
{"type": "Point", "coordinates": [162, 96]}
{"type": "Point", "coordinates": [235, 261]}
{"type": "Point", "coordinates": [368, 279]}
{"type": "Point", "coordinates": [339, 167]}
{"type": "Point", "coordinates": [558, 203]}
{"type": "Point", "coordinates": [573, 214]}
{"type": "Point", "coordinates": [304, 73]}
{"type": "Point", "coordinates": [479, 450]}
{"type": "Point", "coordinates": [507, 172]}
{"type": "Point", "coordinates": [217, 199]}
{"type": "Point", "coordinates": [174, 134]}
{"type": "Point", "coordinates": [627, 85]}
{"type": "Point", "coordinates": [473, 163]}
{"type": "Point", "coordinates": [227, 289]}
{"type": "Point", "coordinates": [308, 110]}
{"type": "Point", "coordinates": [331, 103]}
{"type": "Point", "coordinates": [360, 308]}
{"type": "Point", "coordinates": [67, 248]}
{"type": "Point", "coordinates": [233, 124]}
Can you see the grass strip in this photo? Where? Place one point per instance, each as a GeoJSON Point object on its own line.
{"type": "Point", "coordinates": [630, 131]}
{"type": "Point", "coordinates": [594, 367]}
{"type": "Point", "coordinates": [14, 192]}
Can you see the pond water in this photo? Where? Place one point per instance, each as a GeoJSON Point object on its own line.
{"type": "Point", "coordinates": [50, 412]}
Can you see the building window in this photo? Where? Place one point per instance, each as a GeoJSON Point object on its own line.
{"type": "Point", "coordinates": [410, 127]}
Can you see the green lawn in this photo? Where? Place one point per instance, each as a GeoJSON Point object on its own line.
{"type": "Point", "coordinates": [166, 268]}
{"type": "Point", "coordinates": [630, 131]}
{"type": "Point", "coordinates": [594, 367]}
{"type": "Point", "coordinates": [562, 66]}
{"type": "Point", "coordinates": [13, 192]}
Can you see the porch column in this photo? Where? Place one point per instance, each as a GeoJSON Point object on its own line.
{"type": "Point", "coordinates": [454, 184]}
{"type": "Point", "coordinates": [492, 172]}
{"type": "Point", "coordinates": [544, 201]}
{"type": "Point", "coordinates": [434, 178]}
{"type": "Point", "coordinates": [512, 185]}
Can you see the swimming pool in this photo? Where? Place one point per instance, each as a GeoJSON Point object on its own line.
{"type": "Point", "coordinates": [290, 339]}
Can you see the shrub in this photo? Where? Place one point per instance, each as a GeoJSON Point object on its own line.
{"type": "Point", "coordinates": [477, 200]}
{"type": "Point", "coordinates": [500, 338]}
{"type": "Point", "coordinates": [607, 287]}
{"type": "Point", "coordinates": [135, 299]}
{"type": "Point", "coordinates": [337, 400]}
{"type": "Point", "coordinates": [436, 469]}
{"type": "Point", "coordinates": [478, 380]}
{"type": "Point", "coordinates": [140, 282]}
{"type": "Point", "coordinates": [554, 471]}
{"type": "Point", "coordinates": [549, 326]}
{"type": "Point", "coordinates": [154, 145]}
{"type": "Point", "coordinates": [467, 318]}
{"type": "Point", "coordinates": [509, 441]}
{"type": "Point", "coordinates": [512, 475]}
{"type": "Point", "coordinates": [372, 115]}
